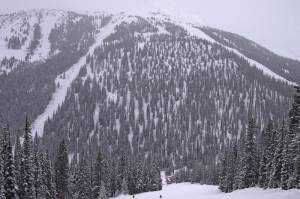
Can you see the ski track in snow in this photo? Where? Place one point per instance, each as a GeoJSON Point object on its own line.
{"type": "Point", "coordinates": [197, 191]}
{"type": "Point", "coordinates": [60, 93]}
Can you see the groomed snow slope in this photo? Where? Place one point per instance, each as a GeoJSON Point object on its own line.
{"type": "Point", "coordinates": [196, 191]}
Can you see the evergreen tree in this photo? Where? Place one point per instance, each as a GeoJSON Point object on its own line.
{"type": "Point", "coordinates": [294, 138]}
{"type": "Point", "coordinates": [38, 183]}
{"type": "Point", "coordinates": [17, 161]}
{"type": "Point", "coordinates": [61, 169]}
{"type": "Point", "coordinates": [248, 173]}
{"type": "Point", "coordinates": [9, 177]}
{"type": "Point", "coordinates": [50, 192]}
{"type": "Point", "coordinates": [124, 189]}
{"type": "Point", "coordinates": [114, 190]}
{"type": "Point", "coordinates": [275, 178]}
{"type": "Point", "coordinates": [2, 195]}
{"type": "Point", "coordinates": [223, 172]}
{"type": "Point", "coordinates": [27, 178]}
{"type": "Point", "coordinates": [100, 174]}
{"type": "Point", "coordinates": [148, 177]}
{"type": "Point", "coordinates": [102, 192]}
{"type": "Point", "coordinates": [285, 163]}
{"type": "Point", "coordinates": [83, 186]}
{"type": "Point", "coordinates": [122, 172]}
{"type": "Point", "coordinates": [73, 173]}
{"type": "Point", "coordinates": [237, 177]}
{"type": "Point", "coordinates": [132, 179]}
{"type": "Point", "coordinates": [231, 165]}
{"type": "Point", "coordinates": [139, 177]}
{"type": "Point", "coordinates": [156, 182]}
{"type": "Point", "coordinates": [266, 158]}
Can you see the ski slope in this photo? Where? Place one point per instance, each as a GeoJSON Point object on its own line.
{"type": "Point", "coordinates": [197, 191]}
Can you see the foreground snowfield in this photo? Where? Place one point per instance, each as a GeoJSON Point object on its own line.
{"type": "Point", "coordinates": [196, 191]}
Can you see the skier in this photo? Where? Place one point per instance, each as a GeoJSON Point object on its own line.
{"type": "Point", "coordinates": [133, 196]}
{"type": "Point", "coordinates": [160, 196]}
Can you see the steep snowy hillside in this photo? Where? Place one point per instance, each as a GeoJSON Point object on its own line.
{"type": "Point", "coordinates": [196, 191]}
{"type": "Point", "coordinates": [154, 86]}
{"type": "Point", "coordinates": [287, 68]}
{"type": "Point", "coordinates": [24, 35]}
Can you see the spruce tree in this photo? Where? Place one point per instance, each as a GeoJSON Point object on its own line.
{"type": "Point", "coordinates": [156, 182]}
{"type": "Point", "coordinates": [294, 138]}
{"type": "Point", "coordinates": [83, 185]}
{"type": "Point", "coordinates": [9, 169]}
{"type": "Point", "coordinates": [100, 174]}
{"type": "Point", "coordinates": [275, 178]}
{"type": "Point", "coordinates": [122, 172]}
{"type": "Point", "coordinates": [38, 183]}
{"type": "Point", "coordinates": [249, 165]}
{"type": "Point", "coordinates": [17, 161]}
{"type": "Point", "coordinates": [139, 177]}
{"type": "Point", "coordinates": [61, 169]}
{"type": "Point", "coordinates": [237, 176]}
{"type": "Point", "coordinates": [266, 157]}
{"type": "Point", "coordinates": [132, 179]}
{"type": "Point", "coordinates": [231, 172]}
{"type": "Point", "coordinates": [48, 177]}
{"type": "Point", "coordinates": [124, 188]}
{"type": "Point", "coordinates": [2, 195]}
{"type": "Point", "coordinates": [27, 178]}
{"type": "Point", "coordinates": [223, 172]}
{"type": "Point", "coordinates": [113, 179]}
{"type": "Point", "coordinates": [285, 163]}
{"type": "Point", "coordinates": [73, 174]}
{"type": "Point", "coordinates": [148, 177]}
{"type": "Point", "coordinates": [102, 192]}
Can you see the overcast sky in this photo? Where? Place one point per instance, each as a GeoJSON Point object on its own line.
{"type": "Point", "coordinates": [273, 23]}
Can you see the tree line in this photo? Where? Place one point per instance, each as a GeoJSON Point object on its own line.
{"type": "Point", "coordinates": [28, 172]}
{"type": "Point", "coordinates": [268, 160]}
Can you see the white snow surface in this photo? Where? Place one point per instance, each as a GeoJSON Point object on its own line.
{"type": "Point", "coordinates": [60, 93]}
{"type": "Point", "coordinates": [13, 25]}
{"type": "Point", "coordinates": [197, 191]}
{"type": "Point", "coordinates": [47, 23]}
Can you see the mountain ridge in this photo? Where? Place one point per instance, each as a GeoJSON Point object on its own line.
{"type": "Point", "coordinates": [43, 45]}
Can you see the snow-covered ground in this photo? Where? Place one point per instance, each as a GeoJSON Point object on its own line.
{"type": "Point", "coordinates": [197, 191]}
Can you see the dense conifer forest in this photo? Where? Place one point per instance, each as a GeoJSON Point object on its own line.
{"type": "Point", "coordinates": [28, 172]}
{"type": "Point", "coordinates": [94, 105]}
{"type": "Point", "coordinates": [270, 159]}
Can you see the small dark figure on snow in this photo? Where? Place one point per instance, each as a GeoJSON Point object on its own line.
{"type": "Point", "coordinates": [160, 196]}
{"type": "Point", "coordinates": [133, 196]}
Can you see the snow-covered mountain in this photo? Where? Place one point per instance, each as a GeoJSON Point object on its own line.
{"type": "Point", "coordinates": [152, 85]}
